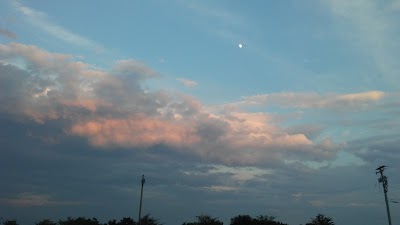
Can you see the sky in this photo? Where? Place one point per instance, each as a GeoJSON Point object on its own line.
{"type": "Point", "coordinates": [281, 108]}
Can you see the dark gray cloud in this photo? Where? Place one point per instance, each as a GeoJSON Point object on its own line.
{"type": "Point", "coordinates": [107, 183]}
{"type": "Point", "coordinates": [377, 149]}
{"type": "Point", "coordinates": [12, 85]}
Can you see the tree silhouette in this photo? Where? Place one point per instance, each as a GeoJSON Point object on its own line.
{"type": "Point", "coordinates": [321, 219]}
{"type": "Point", "coordinates": [205, 220]}
{"type": "Point", "coordinates": [123, 221]}
{"type": "Point", "coordinates": [111, 222]}
{"type": "Point", "coordinates": [259, 220]}
{"type": "Point", "coordinates": [79, 221]}
{"type": "Point", "coordinates": [46, 222]}
{"type": "Point", "coordinates": [242, 220]}
{"type": "Point", "coordinates": [148, 220]}
{"type": "Point", "coordinates": [10, 222]}
{"type": "Point", "coordinates": [267, 220]}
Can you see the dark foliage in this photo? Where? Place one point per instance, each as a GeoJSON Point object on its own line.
{"type": "Point", "coordinates": [123, 221]}
{"type": "Point", "coordinates": [148, 220]}
{"type": "Point", "coordinates": [242, 220]}
{"type": "Point", "coordinates": [259, 220]}
{"type": "Point", "coordinates": [46, 222]}
{"type": "Point", "coordinates": [10, 222]}
{"type": "Point", "coordinates": [79, 221]}
{"type": "Point", "coordinates": [321, 219]}
{"type": "Point", "coordinates": [205, 220]}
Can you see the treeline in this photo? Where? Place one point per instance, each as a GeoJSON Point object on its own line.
{"type": "Point", "coordinates": [320, 219]}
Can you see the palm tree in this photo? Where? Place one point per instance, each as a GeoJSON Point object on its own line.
{"type": "Point", "coordinates": [321, 219]}
{"type": "Point", "coordinates": [205, 220]}
{"type": "Point", "coordinates": [148, 220]}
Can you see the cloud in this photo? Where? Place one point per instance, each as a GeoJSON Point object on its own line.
{"type": "Point", "coordinates": [241, 174]}
{"type": "Point", "coordinates": [358, 205]}
{"type": "Point", "coordinates": [187, 82]}
{"type": "Point", "coordinates": [233, 140]}
{"type": "Point", "coordinates": [28, 199]}
{"type": "Point", "coordinates": [219, 14]}
{"type": "Point", "coordinates": [43, 22]}
{"type": "Point", "coordinates": [53, 86]}
{"type": "Point", "coordinates": [378, 148]}
{"type": "Point", "coordinates": [136, 70]}
{"type": "Point", "coordinates": [135, 131]}
{"type": "Point", "coordinates": [7, 33]}
{"type": "Point", "coordinates": [314, 100]}
{"type": "Point", "coordinates": [220, 22]}
{"type": "Point", "coordinates": [318, 203]}
{"type": "Point", "coordinates": [221, 188]}
{"type": "Point", "coordinates": [372, 27]}
{"type": "Point", "coordinates": [111, 109]}
{"type": "Point", "coordinates": [252, 138]}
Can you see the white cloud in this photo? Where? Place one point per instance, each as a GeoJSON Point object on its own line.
{"type": "Point", "coordinates": [42, 93]}
{"type": "Point", "coordinates": [222, 23]}
{"type": "Point", "coordinates": [187, 82]}
{"type": "Point", "coordinates": [43, 22]}
{"type": "Point", "coordinates": [373, 27]}
{"type": "Point", "coordinates": [221, 188]}
{"type": "Point", "coordinates": [241, 173]}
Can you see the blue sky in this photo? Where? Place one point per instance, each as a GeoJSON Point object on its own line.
{"type": "Point", "coordinates": [291, 124]}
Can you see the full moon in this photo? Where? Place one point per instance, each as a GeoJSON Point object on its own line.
{"type": "Point", "coordinates": [240, 45]}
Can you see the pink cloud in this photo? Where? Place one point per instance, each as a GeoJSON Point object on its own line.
{"type": "Point", "coordinates": [139, 130]}
{"type": "Point", "coordinates": [28, 199]}
{"type": "Point", "coordinates": [251, 138]}
{"type": "Point", "coordinates": [314, 100]}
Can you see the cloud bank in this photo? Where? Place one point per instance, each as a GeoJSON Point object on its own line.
{"type": "Point", "coordinates": [111, 109]}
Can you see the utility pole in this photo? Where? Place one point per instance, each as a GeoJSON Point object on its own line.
{"type": "Point", "coordinates": [141, 198]}
{"type": "Point", "coordinates": [383, 180]}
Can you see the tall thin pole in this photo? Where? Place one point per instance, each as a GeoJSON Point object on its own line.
{"type": "Point", "coordinates": [383, 180]}
{"type": "Point", "coordinates": [141, 198]}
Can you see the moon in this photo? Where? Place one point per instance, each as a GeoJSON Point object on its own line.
{"type": "Point", "coordinates": [240, 45]}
